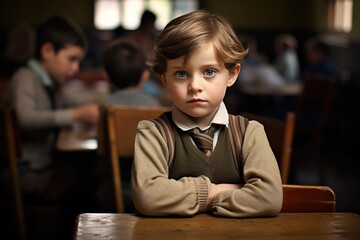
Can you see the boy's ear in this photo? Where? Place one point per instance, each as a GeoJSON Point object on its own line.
{"type": "Point", "coordinates": [47, 50]}
{"type": "Point", "coordinates": [145, 76]}
{"type": "Point", "coordinates": [162, 78]}
{"type": "Point", "coordinates": [233, 74]}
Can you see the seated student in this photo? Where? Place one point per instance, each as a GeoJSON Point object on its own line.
{"type": "Point", "coordinates": [197, 57]}
{"type": "Point", "coordinates": [36, 96]}
{"type": "Point", "coordinates": [319, 61]}
{"type": "Point", "coordinates": [146, 32]}
{"type": "Point", "coordinates": [144, 37]}
{"type": "Point", "coordinates": [286, 61]}
{"type": "Point", "coordinates": [256, 69]}
{"type": "Point", "coordinates": [125, 67]}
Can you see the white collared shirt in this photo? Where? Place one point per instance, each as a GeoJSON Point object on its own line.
{"type": "Point", "coordinates": [185, 123]}
{"type": "Point", "coordinates": [44, 76]}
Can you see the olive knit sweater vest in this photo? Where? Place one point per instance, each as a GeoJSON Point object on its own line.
{"type": "Point", "coordinates": [189, 161]}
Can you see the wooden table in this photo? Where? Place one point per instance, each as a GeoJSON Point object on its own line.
{"type": "Point", "coordinates": [77, 140]}
{"type": "Point", "coordinates": [263, 99]}
{"type": "Point", "coordinates": [285, 226]}
{"type": "Point", "coordinates": [287, 89]}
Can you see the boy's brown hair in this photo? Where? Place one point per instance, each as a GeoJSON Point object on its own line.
{"type": "Point", "coordinates": [185, 34]}
{"type": "Point", "coordinates": [60, 31]}
{"type": "Point", "coordinates": [124, 63]}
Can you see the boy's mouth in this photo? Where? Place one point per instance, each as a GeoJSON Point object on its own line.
{"type": "Point", "coordinates": [196, 100]}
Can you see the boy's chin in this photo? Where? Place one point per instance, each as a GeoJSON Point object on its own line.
{"type": "Point", "coordinates": [62, 81]}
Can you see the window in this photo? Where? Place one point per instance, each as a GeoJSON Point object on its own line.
{"type": "Point", "coordinates": [109, 14]}
{"type": "Point", "coordinates": [340, 15]}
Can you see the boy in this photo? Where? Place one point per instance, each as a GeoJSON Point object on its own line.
{"type": "Point", "coordinates": [197, 56]}
{"type": "Point", "coordinates": [125, 66]}
{"type": "Point", "coordinates": [35, 91]}
{"type": "Point", "coordinates": [319, 61]}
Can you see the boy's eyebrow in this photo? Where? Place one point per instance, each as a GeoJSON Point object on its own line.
{"type": "Point", "coordinates": [203, 66]}
{"type": "Point", "coordinates": [211, 65]}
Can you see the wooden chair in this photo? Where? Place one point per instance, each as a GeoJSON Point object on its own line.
{"type": "Point", "coordinates": [303, 198]}
{"type": "Point", "coordinates": [280, 135]}
{"type": "Point", "coordinates": [120, 127]}
{"type": "Point", "coordinates": [314, 104]}
{"type": "Point", "coordinates": [313, 110]}
{"type": "Point", "coordinates": [10, 150]}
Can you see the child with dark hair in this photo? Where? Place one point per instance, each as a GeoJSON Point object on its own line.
{"type": "Point", "coordinates": [125, 67]}
{"type": "Point", "coordinates": [319, 61]}
{"type": "Point", "coordinates": [35, 93]}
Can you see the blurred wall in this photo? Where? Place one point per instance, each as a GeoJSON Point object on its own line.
{"type": "Point", "coordinates": [36, 11]}
{"type": "Point", "coordinates": [274, 14]}
{"type": "Point", "coordinates": [309, 15]}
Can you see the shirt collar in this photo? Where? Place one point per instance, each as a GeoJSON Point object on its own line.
{"type": "Point", "coordinates": [41, 72]}
{"type": "Point", "coordinates": [185, 123]}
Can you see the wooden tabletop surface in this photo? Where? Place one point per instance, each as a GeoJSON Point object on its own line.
{"type": "Point", "coordinates": [285, 226]}
{"type": "Point", "coordinates": [78, 140]}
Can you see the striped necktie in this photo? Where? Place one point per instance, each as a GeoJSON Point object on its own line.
{"type": "Point", "coordinates": [204, 139]}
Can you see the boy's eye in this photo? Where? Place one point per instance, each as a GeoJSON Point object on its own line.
{"type": "Point", "coordinates": [209, 72]}
{"type": "Point", "coordinates": [181, 74]}
{"type": "Point", "coordinates": [73, 59]}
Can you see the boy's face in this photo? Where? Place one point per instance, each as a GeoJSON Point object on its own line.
{"type": "Point", "coordinates": [198, 86]}
{"type": "Point", "coordinates": [62, 65]}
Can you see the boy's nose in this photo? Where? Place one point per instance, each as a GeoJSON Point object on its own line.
{"type": "Point", "coordinates": [75, 67]}
{"type": "Point", "coordinates": [195, 85]}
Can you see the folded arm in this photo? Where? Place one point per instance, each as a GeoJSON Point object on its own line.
{"type": "Point", "coordinates": [153, 192]}
{"type": "Point", "coordinates": [261, 195]}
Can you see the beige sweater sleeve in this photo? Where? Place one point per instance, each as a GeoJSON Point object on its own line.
{"type": "Point", "coordinates": [155, 194]}
{"type": "Point", "coordinates": [30, 101]}
{"type": "Point", "coordinates": [262, 193]}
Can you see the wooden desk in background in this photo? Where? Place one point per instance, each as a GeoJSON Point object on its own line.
{"type": "Point", "coordinates": [285, 226]}
{"type": "Point", "coordinates": [71, 140]}
{"type": "Point", "coordinates": [288, 89]}
{"type": "Point", "coordinates": [86, 87]}
{"type": "Point", "coordinates": [263, 98]}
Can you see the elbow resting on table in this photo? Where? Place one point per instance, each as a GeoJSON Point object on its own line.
{"type": "Point", "coordinates": [274, 203]}
{"type": "Point", "coordinates": [150, 204]}
{"type": "Point", "coordinates": [145, 202]}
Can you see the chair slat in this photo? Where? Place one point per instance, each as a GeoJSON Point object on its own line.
{"type": "Point", "coordinates": [11, 150]}
{"type": "Point", "coordinates": [120, 130]}
{"type": "Point", "coordinates": [304, 198]}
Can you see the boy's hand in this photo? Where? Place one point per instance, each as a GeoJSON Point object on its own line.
{"type": "Point", "coordinates": [88, 114]}
{"type": "Point", "coordinates": [217, 188]}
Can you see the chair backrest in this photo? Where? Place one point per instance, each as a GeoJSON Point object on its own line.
{"type": "Point", "coordinates": [4, 83]}
{"type": "Point", "coordinates": [314, 104]}
{"type": "Point", "coordinates": [280, 135]}
{"type": "Point", "coordinates": [10, 149]}
{"type": "Point", "coordinates": [120, 127]}
{"type": "Point", "coordinates": [308, 198]}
